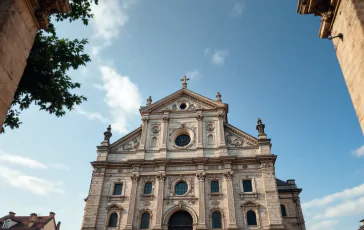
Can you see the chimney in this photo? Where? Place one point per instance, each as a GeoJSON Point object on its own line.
{"type": "Point", "coordinates": [51, 214]}
{"type": "Point", "coordinates": [33, 217]}
{"type": "Point", "coordinates": [58, 225]}
{"type": "Point", "coordinates": [11, 214]}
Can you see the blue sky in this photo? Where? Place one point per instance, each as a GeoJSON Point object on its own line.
{"type": "Point", "coordinates": [265, 59]}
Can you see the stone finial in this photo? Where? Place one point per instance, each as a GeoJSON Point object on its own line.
{"type": "Point", "coordinates": [218, 97]}
{"type": "Point", "coordinates": [260, 127]}
{"type": "Point", "coordinates": [184, 84]}
{"type": "Point", "coordinates": [107, 136]}
{"type": "Point", "coordinates": [149, 100]}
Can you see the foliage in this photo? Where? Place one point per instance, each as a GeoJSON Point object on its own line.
{"type": "Point", "coordinates": [45, 81]}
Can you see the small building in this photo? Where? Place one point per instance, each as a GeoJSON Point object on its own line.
{"type": "Point", "coordinates": [362, 225]}
{"type": "Point", "coordinates": [33, 221]}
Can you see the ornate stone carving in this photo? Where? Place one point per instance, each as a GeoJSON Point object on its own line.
{"type": "Point", "coordinates": [210, 126]}
{"type": "Point", "coordinates": [228, 175]}
{"type": "Point", "coordinates": [192, 107]}
{"type": "Point", "coordinates": [234, 141]}
{"type": "Point", "coordinates": [191, 202]}
{"type": "Point", "coordinates": [200, 176]}
{"type": "Point", "coordinates": [146, 203]}
{"type": "Point", "coordinates": [215, 203]}
{"type": "Point", "coordinates": [180, 203]}
{"type": "Point", "coordinates": [155, 128]}
{"type": "Point", "coordinates": [260, 127]}
{"type": "Point", "coordinates": [132, 145]}
{"type": "Point", "coordinates": [168, 202]}
{"type": "Point", "coordinates": [135, 177]}
{"type": "Point", "coordinates": [199, 117]}
{"type": "Point", "coordinates": [161, 177]}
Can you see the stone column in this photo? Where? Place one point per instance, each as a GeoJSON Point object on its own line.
{"type": "Point", "coordinates": [164, 136]}
{"type": "Point", "coordinates": [131, 210]}
{"type": "Point", "coordinates": [159, 213]}
{"type": "Point", "coordinates": [230, 192]}
{"type": "Point", "coordinates": [199, 131]}
{"type": "Point", "coordinates": [19, 22]}
{"type": "Point", "coordinates": [201, 201]}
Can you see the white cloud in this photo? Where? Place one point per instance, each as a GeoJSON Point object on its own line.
{"type": "Point", "coordinates": [326, 224]}
{"type": "Point", "coordinates": [346, 208]}
{"type": "Point", "coordinates": [60, 166]}
{"type": "Point", "coordinates": [359, 152]}
{"type": "Point", "coordinates": [109, 18]}
{"type": "Point", "coordinates": [218, 57]}
{"type": "Point", "coordinates": [90, 115]}
{"type": "Point", "coordinates": [237, 10]}
{"type": "Point", "coordinates": [24, 161]}
{"type": "Point", "coordinates": [122, 97]}
{"type": "Point", "coordinates": [347, 193]}
{"type": "Point", "coordinates": [36, 185]}
{"type": "Point", "coordinates": [193, 74]}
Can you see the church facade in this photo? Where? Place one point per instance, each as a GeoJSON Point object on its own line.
{"type": "Point", "coordinates": [187, 168]}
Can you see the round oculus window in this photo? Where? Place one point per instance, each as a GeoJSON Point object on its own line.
{"type": "Point", "coordinates": [183, 140]}
{"type": "Point", "coordinates": [183, 106]}
{"type": "Point", "coordinates": [181, 188]}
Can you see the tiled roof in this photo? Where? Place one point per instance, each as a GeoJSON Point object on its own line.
{"type": "Point", "coordinates": [281, 182]}
{"type": "Point", "coordinates": [23, 222]}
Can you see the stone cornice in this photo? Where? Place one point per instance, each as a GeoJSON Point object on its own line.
{"type": "Point", "coordinates": [187, 161]}
{"type": "Point", "coordinates": [327, 9]}
{"type": "Point", "coordinates": [41, 9]}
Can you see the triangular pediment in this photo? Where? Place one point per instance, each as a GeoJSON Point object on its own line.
{"type": "Point", "coordinates": [114, 207]}
{"type": "Point", "coordinates": [249, 203]}
{"type": "Point", "coordinates": [128, 143]}
{"type": "Point", "coordinates": [193, 101]}
{"type": "Point", "coordinates": [236, 138]}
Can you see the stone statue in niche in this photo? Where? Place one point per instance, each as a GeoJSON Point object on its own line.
{"type": "Point", "coordinates": [233, 141]}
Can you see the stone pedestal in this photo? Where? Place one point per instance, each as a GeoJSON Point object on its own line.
{"type": "Point", "coordinates": [19, 22]}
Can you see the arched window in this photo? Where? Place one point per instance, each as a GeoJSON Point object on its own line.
{"type": "Point", "coordinates": [251, 218]}
{"type": "Point", "coordinates": [210, 139]}
{"type": "Point", "coordinates": [148, 188]}
{"type": "Point", "coordinates": [283, 210]}
{"type": "Point", "coordinates": [144, 224]}
{"type": "Point", "coordinates": [216, 220]}
{"type": "Point", "coordinates": [113, 220]}
{"type": "Point", "coordinates": [154, 142]}
{"type": "Point", "coordinates": [215, 186]}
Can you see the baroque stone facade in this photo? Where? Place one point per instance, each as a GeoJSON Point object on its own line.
{"type": "Point", "coordinates": [186, 165]}
{"type": "Point", "coordinates": [342, 21]}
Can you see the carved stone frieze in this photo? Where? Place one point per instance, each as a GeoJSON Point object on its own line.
{"type": "Point", "coordinates": [233, 141]}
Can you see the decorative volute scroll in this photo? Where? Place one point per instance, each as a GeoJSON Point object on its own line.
{"type": "Point", "coordinates": [228, 175]}
{"type": "Point", "coordinates": [200, 176]}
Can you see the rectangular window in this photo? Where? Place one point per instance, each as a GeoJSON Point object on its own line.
{"type": "Point", "coordinates": [247, 186]}
{"type": "Point", "coordinates": [117, 189]}
{"type": "Point", "coordinates": [214, 186]}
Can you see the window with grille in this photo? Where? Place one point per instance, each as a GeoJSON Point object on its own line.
{"type": "Point", "coordinates": [148, 188]}
{"type": "Point", "coordinates": [251, 218]}
{"type": "Point", "coordinates": [283, 210]}
{"type": "Point", "coordinates": [144, 224]}
{"type": "Point", "coordinates": [181, 188]}
{"type": "Point", "coordinates": [216, 220]}
{"type": "Point", "coordinates": [247, 186]}
{"type": "Point", "coordinates": [117, 189]}
{"type": "Point", "coordinates": [113, 220]}
{"type": "Point", "coordinates": [214, 186]}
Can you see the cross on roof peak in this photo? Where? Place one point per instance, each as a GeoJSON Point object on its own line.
{"type": "Point", "coordinates": [184, 84]}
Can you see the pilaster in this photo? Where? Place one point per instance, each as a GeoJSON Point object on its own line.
{"type": "Point", "coordinates": [93, 200]}
{"type": "Point", "coordinates": [199, 151]}
{"type": "Point", "coordinates": [231, 203]}
{"type": "Point", "coordinates": [164, 135]}
{"type": "Point", "coordinates": [159, 213]}
{"type": "Point", "coordinates": [222, 143]}
{"type": "Point", "coordinates": [271, 196]}
{"type": "Point", "coordinates": [141, 147]}
{"type": "Point", "coordinates": [201, 200]}
{"type": "Point", "coordinates": [131, 211]}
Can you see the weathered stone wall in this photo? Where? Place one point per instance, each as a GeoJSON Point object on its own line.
{"type": "Point", "coordinates": [17, 32]}
{"type": "Point", "coordinates": [350, 51]}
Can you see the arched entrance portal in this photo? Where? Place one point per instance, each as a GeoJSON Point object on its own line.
{"type": "Point", "coordinates": [180, 221]}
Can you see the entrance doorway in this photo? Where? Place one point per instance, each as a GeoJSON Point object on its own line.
{"type": "Point", "coordinates": [180, 221]}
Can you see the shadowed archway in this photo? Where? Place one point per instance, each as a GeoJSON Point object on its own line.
{"type": "Point", "coordinates": [180, 220]}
